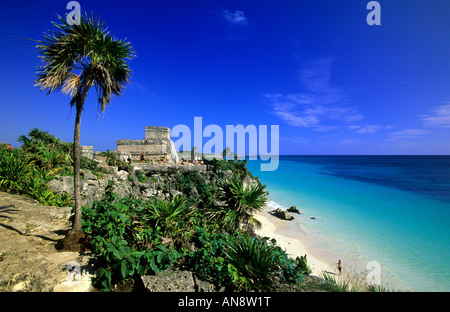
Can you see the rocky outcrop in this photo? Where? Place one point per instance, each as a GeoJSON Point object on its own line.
{"type": "Point", "coordinates": [281, 214]}
{"type": "Point", "coordinates": [145, 181]}
{"type": "Point", "coordinates": [293, 209]}
{"type": "Point", "coordinates": [92, 187]}
{"type": "Point", "coordinates": [176, 281]}
{"type": "Point", "coordinates": [29, 260]}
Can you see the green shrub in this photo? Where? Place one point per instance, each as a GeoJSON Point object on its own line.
{"type": "Point", "coordinates": [302, 265]}
{"type": "Point", "coordinates": [172, 217]}
{"type": "Point", "coordinates": [252, 263]}
{"type": "Point", "coordinates": [15, 171]}
{"type": "Point", "coordinates": [18, 174]}
{"type": "Point", "coordinates": [240, 204]}
{"type": "Point", "coordinates": [141, 177]}
{"type": "Point", "coordinates": [219, 166]}
{"type": "Point", "coordinates": [198, 190]}
{"type": "Point", "coordinates": [127, 246]}
{"type": "Point", "coordinates": [241, 262]}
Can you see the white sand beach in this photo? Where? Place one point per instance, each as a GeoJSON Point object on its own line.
{"type": "Point", "coordinates": [293, 246]}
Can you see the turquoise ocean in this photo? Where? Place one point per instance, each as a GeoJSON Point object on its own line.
{"type": "Point", "coordinates": [391, 209]}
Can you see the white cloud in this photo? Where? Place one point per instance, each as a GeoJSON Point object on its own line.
{"type": "Point", "coordinates": [407, 134]}
{"type": "Point", "coordinates": [235, 18]}
{"type": "Point", "coordinates": [303, 110]}
{"type": "Point", "coordinates": [438, 117]}
{"type": "Point", "coordinates": [320, 106]}
{"type": "Point", "coordinates": [369, 129]}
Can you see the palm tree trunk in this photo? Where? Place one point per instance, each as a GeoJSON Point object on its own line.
{"type": "Point", "coordinates": [76, 159]}
{"type": "Point", "coordinates": [75, 239]}
{"type": "Point", "coordinates": [76, 171]}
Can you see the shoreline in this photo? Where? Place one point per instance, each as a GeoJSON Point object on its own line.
{"type": "Point", "coordinates": [319, 260]}
{"type": "Point", "coordinates": [293, 246]}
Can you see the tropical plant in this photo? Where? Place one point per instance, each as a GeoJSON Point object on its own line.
{"type": "Point", "coordinates": [240, 203]}
{"type": "Point", "coordinates": [15, 170]}
{"type": "Point", "coordinates": [241, 262]}
{"type": "Point", "coordinates": [253, 263]}
{"type": "Point", "coordinates": [199, 191]}
{"type": "Point", "coordinates": [171, 217]}
{"type": "Point", "coordinates": [77, 57]}
{"type": "Point", "coordinates": [125, 244]}
{"type": "Point", "coordinates": [19, 174]}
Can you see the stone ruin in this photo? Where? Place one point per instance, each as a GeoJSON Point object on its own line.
{"type": "Point", "coordinates": [87, 151]}
{"type": "Point", "coordinates": [156, 145]}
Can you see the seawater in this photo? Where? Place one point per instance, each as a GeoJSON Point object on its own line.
{"type": "Point", "coordinates": [391, 209]}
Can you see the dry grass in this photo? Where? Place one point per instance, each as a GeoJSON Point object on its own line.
{"type": "Point", "coordinates": [352, 280]}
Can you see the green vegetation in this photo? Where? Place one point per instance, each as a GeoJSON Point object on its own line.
{"type": "Point", "coordinates": [113, 160]}
{"type": "Point", "coordinates": [200, 192]}
{"type": "Point", "coordinates": [239, 204]}
{"type": "Point", "coordinates": [241, 262]}
{"type": "Point", "coordinates": [134, 236]}
{"type": "Point", "coordinates": [219, 166]}
{"type": "Point", "coordinates": [29, 169]}
{"type": "Point", "coordinates": [125, 233]}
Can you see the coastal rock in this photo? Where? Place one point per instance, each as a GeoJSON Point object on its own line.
{"type": "Point", "coordinates": [293, 209]}
{"type": "Point", "coordinates": [169, 281]}
{"type": "Point", "coordinates": [281, 214]}
{"type": "Point", "coordinates": [173, 280]}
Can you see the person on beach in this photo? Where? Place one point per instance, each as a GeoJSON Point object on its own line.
{"type": "Point", "coordinates": [339, 267]}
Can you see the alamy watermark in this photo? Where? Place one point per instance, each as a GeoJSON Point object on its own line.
{"type": "Point", "coordinates": [374, 16]}
{"type": "Point", "coordinates": [373, 277]}
{"type": "Point", "coordinates": [73, 272]}
{"type": "Point", "coordinates": [235, 139]}
{"type": "Point", "coordinates": [74, 16]}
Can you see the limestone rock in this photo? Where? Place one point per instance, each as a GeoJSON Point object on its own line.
{"type": "Point", "coordinates": [177, 281]}
{"type": "Point", "coordinates": [169, 281]}
{"type": "Point", "coordinates": [281, 214]}
{"type": "Point", "coordinates": [293, 209]}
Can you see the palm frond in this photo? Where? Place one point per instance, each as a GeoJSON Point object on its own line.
{"type": "Point", "coordinates": [99, 58]}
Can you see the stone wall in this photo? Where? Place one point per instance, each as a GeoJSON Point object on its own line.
{"type": "Point", "coordinates": [157, 133]}
{"type": "Point", "coordinates": [87, 151]}
{"type": "Point", "coordinates": [156, 145]}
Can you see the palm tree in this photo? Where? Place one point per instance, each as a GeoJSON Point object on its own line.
{"type": "Point", "coordinates": [77, 57]}
{"type": "Point", "coordinates": [239, 203]}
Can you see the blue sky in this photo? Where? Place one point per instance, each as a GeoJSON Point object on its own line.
{"type": "Point", "coordinates": [333, 84]}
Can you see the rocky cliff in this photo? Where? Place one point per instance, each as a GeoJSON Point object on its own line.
{"type": "Point", "coordinates": [143, 181]}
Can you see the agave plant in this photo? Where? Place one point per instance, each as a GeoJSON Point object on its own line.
{"type": "Point", "coordinates": [15, 170]}
{"type": "Point", "coordinates": [171, 217]}
{"type": "Point", "coordinates": [240, 203]}
{"type": "Point", "coordinates": [254, 260]}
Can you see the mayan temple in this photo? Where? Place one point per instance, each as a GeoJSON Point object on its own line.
{"type": "Point", "coordinates": [156, 145]}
